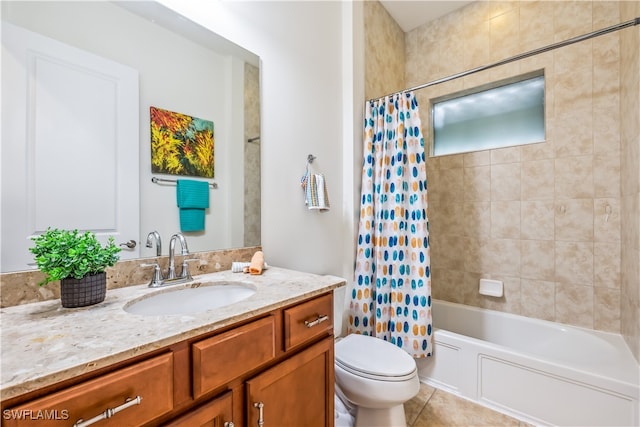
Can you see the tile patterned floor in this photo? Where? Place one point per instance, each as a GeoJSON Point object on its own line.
{"type": "Point", "coordinates": [436, 408]}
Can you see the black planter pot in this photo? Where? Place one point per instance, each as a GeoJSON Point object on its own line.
{"type": "Point", "coordinates": [89, 290]}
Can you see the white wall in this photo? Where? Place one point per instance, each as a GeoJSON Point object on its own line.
{"type": "Point", "coordinates": [303, 112]}
{"type": "Point", "coordinates": [311, 104]}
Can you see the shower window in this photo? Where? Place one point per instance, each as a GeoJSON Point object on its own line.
{"type": "Point", "coordinates": [502, 114]}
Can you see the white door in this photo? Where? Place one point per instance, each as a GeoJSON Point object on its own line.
{"type": "Point", "coordinates": [69, 145]}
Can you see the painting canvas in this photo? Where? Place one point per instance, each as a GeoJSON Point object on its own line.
{"type": "Point", "coordinates": [181, 144]}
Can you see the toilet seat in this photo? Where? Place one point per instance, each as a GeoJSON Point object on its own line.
{"type": "Point", "coordinates": [373, 358]}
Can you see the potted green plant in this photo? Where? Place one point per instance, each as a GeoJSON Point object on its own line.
{"type": "Point", "coordinates": [78, 260]}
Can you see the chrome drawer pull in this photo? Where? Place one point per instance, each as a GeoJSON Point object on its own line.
{"type": "Point", "coordinates": [321, 318]}
{"type": "Point", "coordinates": [109, 412]}
{"type": "Point", "coordinates": [260, 407]}
{"type": "Point", "coordinates": [229, 424]}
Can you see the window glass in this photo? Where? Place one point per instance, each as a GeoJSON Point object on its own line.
{"type": "Point", "coordinates": [503, 115]}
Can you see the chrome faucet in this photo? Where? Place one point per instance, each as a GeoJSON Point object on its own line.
{"type": "Point", "coordinates": [172, 263]}
{"type": "Point", "coordinates": [155, 236]}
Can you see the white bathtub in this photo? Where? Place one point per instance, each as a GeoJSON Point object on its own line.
{"type": "Point", "coordinates": [541, 372]}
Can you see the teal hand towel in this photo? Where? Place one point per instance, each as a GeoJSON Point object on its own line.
{"type": "Point", "coordinates": [192, 198]}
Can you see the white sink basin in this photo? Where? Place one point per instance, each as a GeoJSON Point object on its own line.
{"type": "Point", "coordinates": [190, 300]}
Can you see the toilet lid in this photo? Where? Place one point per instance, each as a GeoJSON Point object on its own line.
{"type": "Point", "coordinates": [372, 357]}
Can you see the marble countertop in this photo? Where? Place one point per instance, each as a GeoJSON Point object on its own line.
{"type": "Point", "coordinates": [44, 343]}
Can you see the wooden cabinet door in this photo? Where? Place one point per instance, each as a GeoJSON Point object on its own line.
{"type": "Point", "coordinates": [297, 392]}
{"type": "Point", "coordinates": [215, 413]}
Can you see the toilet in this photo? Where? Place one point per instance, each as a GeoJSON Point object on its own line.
{"type": "Point", "coordinates": [375, 378]}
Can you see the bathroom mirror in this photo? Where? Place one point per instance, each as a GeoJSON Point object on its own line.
{"type": "Point", "coordinates": [182, 67]}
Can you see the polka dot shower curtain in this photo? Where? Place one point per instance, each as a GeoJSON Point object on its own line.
{"type": "Point", "coordinates": [391, 298]}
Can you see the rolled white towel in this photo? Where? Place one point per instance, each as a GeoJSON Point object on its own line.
{"type": "Point", "coordinates": [238, 267]}
{"type": "Point", "coordinates": [242, 267]}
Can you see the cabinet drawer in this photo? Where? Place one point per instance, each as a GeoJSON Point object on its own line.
{"type": "Point", "coordinates": [220, 359]}
{"type": "Point", "coordinates": [151, 380]}
{"type": "Point", "coordinates": [216, 413]}
{"type": "Point", "coordinates": [308, 320]}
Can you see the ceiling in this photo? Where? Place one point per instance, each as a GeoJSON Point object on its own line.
{"type": "Point", "coordinates": [410, 14]}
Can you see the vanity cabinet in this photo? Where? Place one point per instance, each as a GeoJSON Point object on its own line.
{"type": "Point", "coordinates": [131, 396]}
{"type": "Point", "coordinates": [275, 369]}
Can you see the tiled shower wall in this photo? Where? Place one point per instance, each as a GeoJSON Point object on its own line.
{"type": "Point", "coordinates": [544, 218]}
{"type": "Point", "coordinates": [630, 179]}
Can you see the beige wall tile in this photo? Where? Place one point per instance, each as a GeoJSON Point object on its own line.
{"type": "Point", "coordinates": [475, 258]}
{"type": "Point", "coordinates": [451, 183]}
{"type": "Point", "coordinates": [606, 260]}
{"type": "Point", "coordinates": [435, 243]}
{"type": "Point", "coordinates": [590, 158]}
{"type": "Point", "coordinates": [571, 18]}
{"type": "Point", "coordinates": [537, 180]}
{"type": "Point", "coordinates": [505, 155]}
{"type": "Point", "coordinates": [538, 259]}
{"type": "Point", "coordinates": [477, 183]}
{"type": "Point", "coordinates": [606, 174]}
{"type": "Point", "coordinates": [449, 285]}
{"type": "Point", "coordinates": [574, 177]}
{"type": "Point", "coordinates": [536, 29]}
{"type": "Point", "coordinates": [573, 105]}
{"type": "Point", "coordinates": [451, 252]}
{"type": "Point", "coordinates": [606, 124]}
{"type": "Point", "coordinates": [451, 44]}
{"type": "Point", "coordinates": [437, 289]}
{"type": "Point", "coordinates": [453, 161]}
{"type": "Point", "coordinates": [543, 150]}
{"type": "Point", "coordinates": [573, 128]}
{"type": "Point", "coordinates": [606, 220]}
{"type": "Point", "coordinates": [450, 216]}
{"type": "Point", "coordinates": [477, 37]}
{"type": "Point", "coordinates": [574, 263]}
{"type": "Point", "coordinates": [574, 305]}
{"type": "Point", "coordinates": [503, 257]}
{"type": "Point", "coordinates": [471, 283]}
{"type": "Point", "coordinates": [511, 299]}
{"type": "Point", "coordinates": [538, 299]}
{"type": "Point", "coordinates": [605, 14]}
{"type": "Point", "coordinates": [477, 158]}
{"type": "Point", "coordinates": [505, 219]}
{"type": "Point", "coordinates": [607, 315]}
{"type": "Point", "coordinates": [574, 220]}
{"type": "Point", "coordinates": [537, 220]}
{"type": "Point", "coordinates": [504, 35]}
{"type": "Point", "coordinates": [505, 182]}
{"type": "Point", "coordinates": [381, 44]}
{"type": "Point", "coordinates": [477, 219]}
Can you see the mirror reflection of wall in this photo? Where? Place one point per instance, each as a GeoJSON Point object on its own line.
{"type": "Point", "coordinates": [186, 69]}
{"type": "Point", "coordinates": [252, 156]}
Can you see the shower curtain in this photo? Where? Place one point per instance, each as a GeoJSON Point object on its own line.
{"type": "Point", "coordinates": [391, 298]}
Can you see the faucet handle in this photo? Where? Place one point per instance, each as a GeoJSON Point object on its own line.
{"type": "Point", "coordinates": [185, 267]}
{"type": "Point", "coordinates": [157, 279]}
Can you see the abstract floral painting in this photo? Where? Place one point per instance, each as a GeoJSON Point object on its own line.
{"type": "Point", "coordinates": [181, 144]}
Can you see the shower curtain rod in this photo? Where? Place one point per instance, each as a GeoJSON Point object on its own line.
{"type": "Point", "coordinates": [620, 26]}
